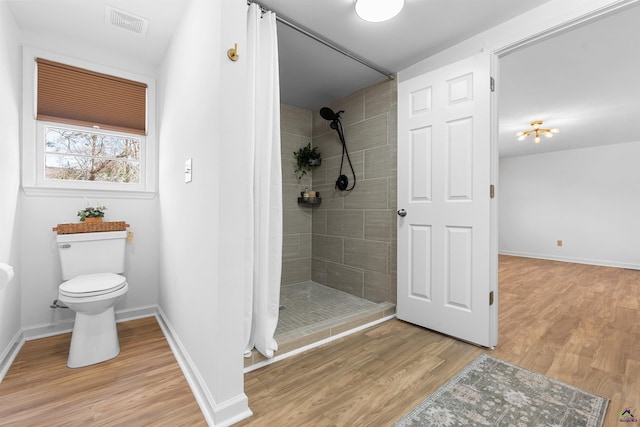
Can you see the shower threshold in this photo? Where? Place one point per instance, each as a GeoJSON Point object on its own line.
{"type": "Point", "coordinates": [311, 312]}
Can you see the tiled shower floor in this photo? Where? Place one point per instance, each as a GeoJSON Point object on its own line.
{"type": "Point", "coordinates": [310, 312]}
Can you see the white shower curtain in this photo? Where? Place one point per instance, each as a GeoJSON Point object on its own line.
{"type": "Point", "coordinates": [263, 294]}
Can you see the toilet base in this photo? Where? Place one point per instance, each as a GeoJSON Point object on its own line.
{"type": "Point", "coordinates": [94, 339]}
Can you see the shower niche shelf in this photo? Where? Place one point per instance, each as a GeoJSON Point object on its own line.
{"type": "Point", "coordinates": [309, 200]}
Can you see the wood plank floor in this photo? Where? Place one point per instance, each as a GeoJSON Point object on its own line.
{"type": "Point", "coordinates": [577, 323]}
{"type": "Point", "coordinates": [142, 386]}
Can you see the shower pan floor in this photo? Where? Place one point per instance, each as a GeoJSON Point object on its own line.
{"type": "Point", "coordinates": [311, 312]}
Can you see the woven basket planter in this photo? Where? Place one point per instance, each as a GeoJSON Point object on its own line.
{"type": "Point", "coordinates": [90, 227]}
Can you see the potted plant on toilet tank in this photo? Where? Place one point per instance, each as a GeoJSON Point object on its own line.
{"type": "Point", "coordinates": [307, 158]}
{"type": "Point", "coordinates": [92, 214]}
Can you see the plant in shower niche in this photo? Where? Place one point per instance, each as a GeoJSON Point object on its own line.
{"type": "Point", "coordinates": [91, 212]}
{"type": "Point", "coordinates": [307, 158]}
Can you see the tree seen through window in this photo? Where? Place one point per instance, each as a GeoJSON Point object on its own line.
{"type": "Point", "coordinates": [79, 155]}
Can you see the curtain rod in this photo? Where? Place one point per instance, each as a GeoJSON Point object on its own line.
{"type": "Point", "coordinates": [327, 43]}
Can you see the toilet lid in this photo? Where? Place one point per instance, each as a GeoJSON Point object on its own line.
{"type": "Point", "coordinates": [93, 284]}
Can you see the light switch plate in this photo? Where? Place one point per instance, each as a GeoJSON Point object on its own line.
{"type": "Point", "coordinates": [187, 170]}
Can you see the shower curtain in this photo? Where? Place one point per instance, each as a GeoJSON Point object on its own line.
{"type": "Point", "coordinates": [262, 301]}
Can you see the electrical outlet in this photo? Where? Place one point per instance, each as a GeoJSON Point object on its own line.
{"type": "Point", "coordinates": [560, 243]}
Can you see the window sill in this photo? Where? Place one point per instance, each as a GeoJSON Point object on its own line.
{"type": "Point", "coordinates": [93, 193]}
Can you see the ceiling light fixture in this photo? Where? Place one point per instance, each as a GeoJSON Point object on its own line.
{"type": "Point", "coordinates": [378, 10]}
{"type": "Point", "coordinates": [537, 130]}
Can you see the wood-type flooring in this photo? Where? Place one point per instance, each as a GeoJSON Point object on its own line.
{"type": "Point", "coordinates": [576, 323]}
{"type": "Point", "coordinates": [142, 386]}
{"type": "Point", "coordinates": [579, 324]}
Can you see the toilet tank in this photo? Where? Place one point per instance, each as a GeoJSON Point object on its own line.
{"type": "Point", "coordinates": [88, 253]}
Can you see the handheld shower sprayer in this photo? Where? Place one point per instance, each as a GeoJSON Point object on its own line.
{"type": "Point", "coordinates": [342, 183]}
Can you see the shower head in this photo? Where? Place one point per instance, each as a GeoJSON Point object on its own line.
{"type": "Point", "coordinates": [328, 114]}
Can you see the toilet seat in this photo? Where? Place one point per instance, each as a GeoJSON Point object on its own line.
{"type": "Point", "coordinates": [89, 285]}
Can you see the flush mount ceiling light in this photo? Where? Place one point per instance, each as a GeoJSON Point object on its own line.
{"type": "Point", "coordinates": [378, 10]}
{"type": "Point", "coordinates": [537, 131]}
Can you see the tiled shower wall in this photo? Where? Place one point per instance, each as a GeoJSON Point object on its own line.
{"type": "Point", "coordinates": [295, 130]}
{"type": "Point", "coordinates": [354, 233]}
{"type": "Point", "coordinates": [348, 242]}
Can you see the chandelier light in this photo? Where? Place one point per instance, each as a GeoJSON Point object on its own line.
{"type": "Point", "coordinates": [536, 131]}
{"type": "Point", "coordinates": [378, 10]}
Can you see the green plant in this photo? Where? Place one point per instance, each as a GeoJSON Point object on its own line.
{"type": "Point", "coordinates": [91, 212]}
{"type": "Point", "coordinates": [307, 158]}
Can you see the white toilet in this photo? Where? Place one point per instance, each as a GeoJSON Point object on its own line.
{"type": "Point", "coordinates": [91, 266]}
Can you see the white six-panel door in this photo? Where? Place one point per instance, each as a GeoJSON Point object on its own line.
{"type": "Point", "coordinates": [444, 170]}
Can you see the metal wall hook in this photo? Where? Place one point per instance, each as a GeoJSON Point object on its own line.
{"type": "Point", "coordinates": [233, 53]}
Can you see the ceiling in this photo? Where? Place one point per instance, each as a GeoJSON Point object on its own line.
{"type": "Point", "coordinates": [583, 81]}
{"type": "Point", "coordinates": [313, 75]}
{"type": "Point", "coordinates": [83, 22]}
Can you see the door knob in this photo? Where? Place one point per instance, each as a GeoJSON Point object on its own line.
{"type": "Point", "coordinates": [402, 213]}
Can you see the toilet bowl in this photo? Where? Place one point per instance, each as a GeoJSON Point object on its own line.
{"type": "Point", "coordinates": [93, 297]}
{"type": "Point", "coordinates": [91, 264]}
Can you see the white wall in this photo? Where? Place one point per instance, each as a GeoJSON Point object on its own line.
{"type": "Point", "coordinates": [587, 198]}
{"type": "Point", "coordinates": [202, 275]}
{"type": "Point", "coordinates": [203, 272]}
{"type": "Point", "coordinates": [9, 177]}
{"type": "Point", "coordinates": [202, 113]}
{"type": "Point", "coordinates": [79, 49]}
{"type": "Point", "coordinates": [40, 268]}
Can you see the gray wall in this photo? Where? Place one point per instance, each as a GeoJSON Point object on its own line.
{"type": "Point", "coordinates": [295, 129]}
{"type": "Point", "coordinates": [354, 233]}
{"type": "Point", "coordinates": [348, 242]}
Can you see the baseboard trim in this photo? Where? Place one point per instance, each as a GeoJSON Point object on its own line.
{"type": "Point", "coordinates": [136, 313]}
{"type": "Point", "coordinates": [216, 414]}
{"type": "Point", "coordinates": [44, 331]}
{"type": "Point", "coordinates": [65, 326]}
{"type": "Point", "coordinates": [602, 263]}
{"type": "Point", "coordinates": [10, 353]}
{"type": "Point", "coordinates": [315, 344]}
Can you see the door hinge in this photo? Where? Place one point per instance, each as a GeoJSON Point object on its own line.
{"type": "Point", "coordinates": [492, 84]}
{"type": "Point", "coordinates": [491, 298]}
{"type": "Point", "coordinates": [492, 191]}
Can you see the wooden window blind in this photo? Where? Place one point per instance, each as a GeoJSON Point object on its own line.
{"type": "Point", "coordinates": [73, 95]}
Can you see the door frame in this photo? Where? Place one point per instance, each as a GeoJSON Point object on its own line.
{"type": "Point", "coordinates": [496, 56]}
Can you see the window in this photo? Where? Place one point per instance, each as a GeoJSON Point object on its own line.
{"type": "Point", "coordinates": [80, 155]}
{"type": "Point", "coordinates": [90, 129]}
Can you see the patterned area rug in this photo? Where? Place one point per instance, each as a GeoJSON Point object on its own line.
{"type": "Point", "coordinates": [492, 392]}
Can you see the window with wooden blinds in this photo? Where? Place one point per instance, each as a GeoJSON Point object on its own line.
{"type": "Point", "coordinates": [73, 95]}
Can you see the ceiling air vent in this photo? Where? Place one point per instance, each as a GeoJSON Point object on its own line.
{"type": "Point", "coordinates": [126, 20]}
